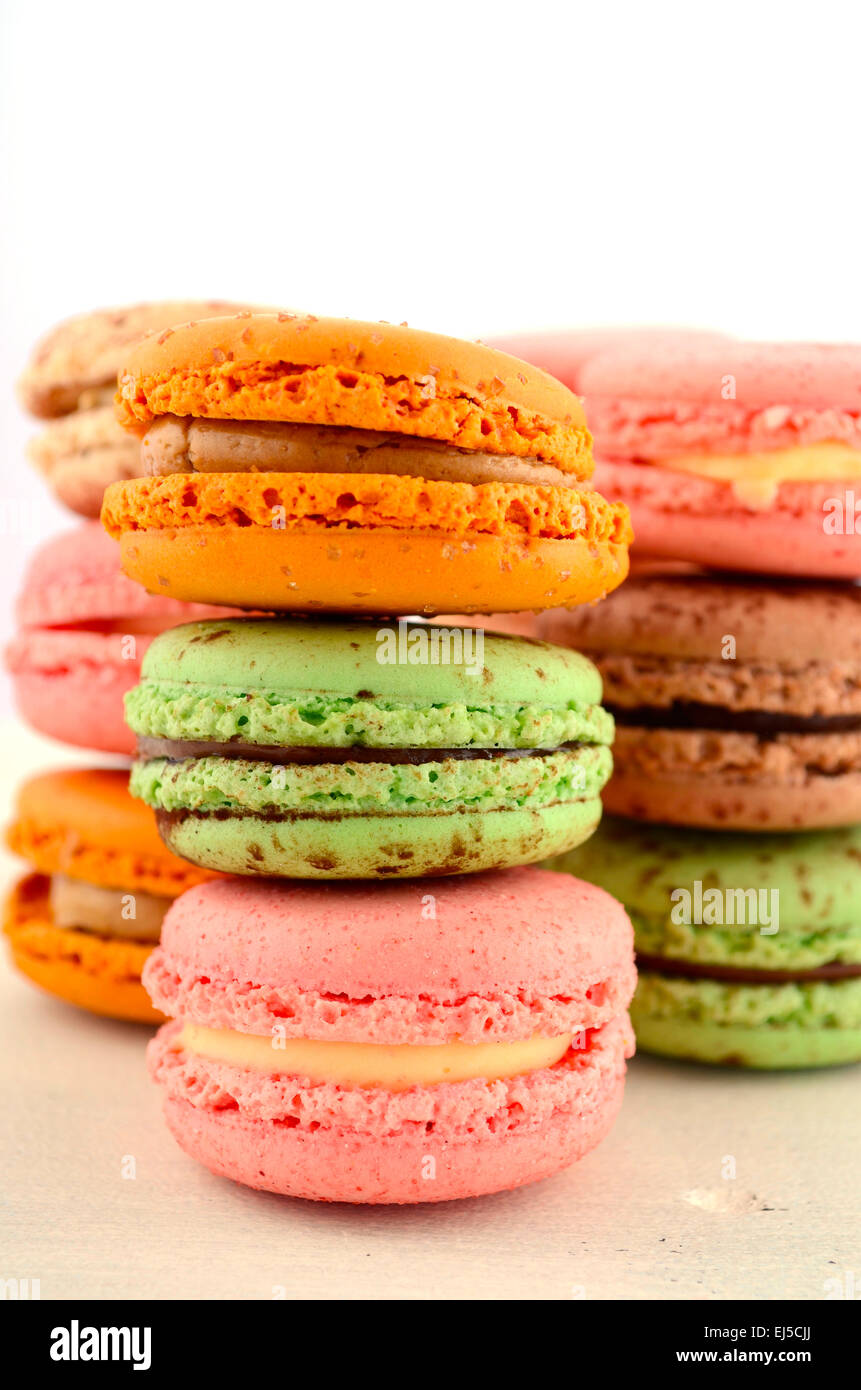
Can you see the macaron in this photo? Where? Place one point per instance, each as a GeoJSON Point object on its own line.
{"type": "Point", "coordinates": [70, 380]}
{"type": "Point", "coordinates": [564, 352]}
{"type": "Point", "coordinates": [401, 1042]}
{"type": "Point", "coordinates": [83, 923]}
{"type": "Point", "coordinates": [301, 464]}
{"type": "Point", "coordinates": [512, 624]}
{"type": "Point", "coordinates": [748, 946]}
{"type": "Point", "coordinates": [737, 455]}
{"type": "Point", "coordinates": [312, 749]}
{"type": "Point", "coordinates": [737, 703]}
{"type": "Point", "coordinates": [83, 628]}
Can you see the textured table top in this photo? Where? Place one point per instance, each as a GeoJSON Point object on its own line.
{"type": "Point", "coordinates": [712, 1184]}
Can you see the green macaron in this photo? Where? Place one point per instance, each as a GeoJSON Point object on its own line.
{"type": "Point", "coordinates": [748, 946]}
{"type": "Point", "coordinates": [363, 750]}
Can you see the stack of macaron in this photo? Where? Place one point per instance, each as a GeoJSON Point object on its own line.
{"type": "Point", "coordinates": [83, 921]}
{"type": "Point", "coordinates": [732, 664]}
{"type": "Point", "coordinates": [383, 999]}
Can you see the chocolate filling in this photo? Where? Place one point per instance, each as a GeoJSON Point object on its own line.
{"type": "Point", "coordinates": [690, 714]}
{"type": "Point", "coordinates": [165, 819]}
{"type": "Point", "coordinates": [737, 974]}
{"type": "Point", "coordinates": [177, 749]}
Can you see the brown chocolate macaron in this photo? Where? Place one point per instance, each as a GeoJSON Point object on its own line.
{"type": "Point", "coordinates": [737, 703]}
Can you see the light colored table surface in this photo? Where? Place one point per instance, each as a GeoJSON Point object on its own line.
{"type": "Point", "coordinates": [648, 1215]}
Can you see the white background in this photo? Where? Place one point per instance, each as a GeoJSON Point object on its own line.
{"type": "Point", "coordinates": [469, 167]}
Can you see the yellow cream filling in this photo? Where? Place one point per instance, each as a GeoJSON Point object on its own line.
{"type": "Point", "coordinates": [755, 478]}
{"type": "Point", "coordinates": [392, 1067]}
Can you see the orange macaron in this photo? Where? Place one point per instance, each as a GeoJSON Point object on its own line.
{"type": "Point", "coordinates": [84, 922]}
{"type": "Point", "coordinates": [299, 464]}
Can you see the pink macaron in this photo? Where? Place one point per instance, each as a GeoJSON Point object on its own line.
{"type": "Point", "coordinates": [401, 1042]}
{"type": "Point", "coordinates": [740, 456]}
{"type": "Point", "coordinates": [83, 628]}
{"type": "Point", "coordinates": [564, 352]}
{"type": "Point", "coordinates": [733, 455]}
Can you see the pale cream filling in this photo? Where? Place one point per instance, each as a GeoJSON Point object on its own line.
{"type": "Point", "coordinates": [97, 397]}
{"type": "Point", "coordinates": [391, 1067]}
{"type": "Point", "coordinates": [174, 445]}
{"type": "Point", "coordinates": [113, 912]}
{"type": "Point", "coordinates": [755, 478]}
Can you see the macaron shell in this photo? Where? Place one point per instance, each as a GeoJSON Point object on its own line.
{"type": "Point", "coordinates": [334, 502]}
{"type": "Point", "coordinates": [364, 375]}
{"type": "Point", "coordinates": [70, 675]}
{"type": "Point", "coordinates": [519, 935]}
{"type": "Point", "coordinates": [692, 370]}
{"type": "Point", "coordinates": [817, 874]}
{"type": "Point", "coordinates": [763, 1049]}
{"type": "Point", "coordinates": [81, 454]}
{"type": "Point", "coordinates": [95, 973]}
{"type": "Point", "coordinates": [566, 353]}
{"type": "Point", "coordinates": [376, 571]}
{"type": "Point", "coordinates": [795, 1005]}
{"type": "Point", "coordinates": [76, 578]}
{"type": "Point", "coordinates": [85, 351]}
{"type": "Point", "coordinates": [678, 517]}
{"type": "Point", "coordinates": [381, 846]}
{"type": "Point", "coordinates": [82, 705]}
{"type": "Point", "coordinates": [657, 778]}
{"type": "Point", "coordinates": [345, 659]}
{"type": "Point", "coordinates": [334, 1167]}
{"type": "Point", "coordinates": [83, 823]}
{"type": "Point", "coordinates": [201, 746]}
{"type": "Point", "coordinates": [687, 617]}
{"type": "Point", "coordinates": [743, 947]}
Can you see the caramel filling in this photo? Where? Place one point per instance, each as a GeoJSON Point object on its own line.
{"type": "Point", "coordinates": [174, 445]}
{"type": "Point", "coordinates": [110, 912]}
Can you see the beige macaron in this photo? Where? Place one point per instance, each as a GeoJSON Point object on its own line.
{"type": "Point", "coordinates": [70, 381]}
{"type": "Point", "coordinates": [737, 704]}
